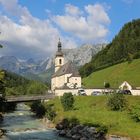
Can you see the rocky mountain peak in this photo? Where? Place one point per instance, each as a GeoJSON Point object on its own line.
{"type": "Point", "coordinates": [79, 56]}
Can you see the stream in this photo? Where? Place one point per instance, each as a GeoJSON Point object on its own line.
{"type": "Point", "coordinates": [22, 125]}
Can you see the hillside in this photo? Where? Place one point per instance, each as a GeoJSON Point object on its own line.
{"type": "Point", "coordinates": [18, 85]}
{"type": "Point", "coordinates": [124, 47]}
{"type": "Point", "coordinates": [93, 110]}
{"type": "Point", "coordinates": [115, 75]}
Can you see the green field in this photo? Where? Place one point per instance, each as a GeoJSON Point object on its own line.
{"type": "Point", "coordinates": [115, 75]}
{"type": "Point", "coordinates": [93, 109]}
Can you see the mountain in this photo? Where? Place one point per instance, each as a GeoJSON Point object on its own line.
{"type": "Point", "coordinates": [124, 47]}
{"type": "Point", "coordinates": [115, 75]}
{"type": "Point", "coordinates": [42, 69]}
{"type": "Point", "coordinates": [79, 56]}
{"type": "Point", "coordinates": [11, 63]}
{"type": "Point", "coordinates": [83, 54]}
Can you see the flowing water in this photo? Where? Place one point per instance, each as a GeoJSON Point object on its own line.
{"type": "Point", "coordinates": [22, 125]}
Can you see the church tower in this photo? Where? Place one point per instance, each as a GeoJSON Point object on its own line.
{"type": "Point", "coordinates": [59, 59]}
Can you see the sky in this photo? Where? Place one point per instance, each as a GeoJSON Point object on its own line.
{"type": "Point", "coordinates": [32, 28]}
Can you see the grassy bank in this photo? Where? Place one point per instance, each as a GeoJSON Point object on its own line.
{"type": "Point", "coordinates": [93, 109]}
{"type": "Point", "coordinates": [115, 75]}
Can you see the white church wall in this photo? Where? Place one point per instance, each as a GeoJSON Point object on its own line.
{"type": "Point", "coordinates": [60, 92]}
{"type": "Point", "coordinates": [66, 77]}
{"type": "Point", "coordinates": [75, 80]}
{"type": "Point", "coordinates": [60, 81]}
{"type": "Point", "coordinates": [53, 84]}
{"type": "Point", "coordinates": [57, 82]}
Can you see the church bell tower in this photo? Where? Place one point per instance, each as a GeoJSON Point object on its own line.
{"type": "Point", "coordinates": [59, 58]}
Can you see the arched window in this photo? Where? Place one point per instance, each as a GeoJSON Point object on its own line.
{"type": "Point", "coordinates": [60, 61]}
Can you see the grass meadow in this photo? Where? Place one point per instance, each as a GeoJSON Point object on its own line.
{"type": "Point", "coordinates": [94, 110]}
{"type": "Point", "coordinates": [115, 75]}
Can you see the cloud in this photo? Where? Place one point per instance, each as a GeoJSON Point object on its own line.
{"type": "Point", "coordinates": [72, 10]}
{"type": "Point", "coordinates": [29, 36]}
{"type": "Point", "coordinates": [14, 8]}
{"type": "Point", "coordinates": [88, 25]}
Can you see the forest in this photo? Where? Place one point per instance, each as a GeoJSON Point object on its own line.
{"type": "Point", "coordinates": [124, 47]}
{"type": "Point", "coordinates": [18, 85]}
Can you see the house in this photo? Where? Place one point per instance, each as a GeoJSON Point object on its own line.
{"type": "Point", "coordinates": [125, 86]}
{"type": "Point", "coordinates": [66, 75]}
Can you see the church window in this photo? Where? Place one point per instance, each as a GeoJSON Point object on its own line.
{"type": "Point", "coordinates": [60, 61]}
{"type": "Point", "coordinates": [68, 80]}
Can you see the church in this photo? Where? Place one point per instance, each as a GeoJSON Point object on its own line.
{"type": "Point", "coordinates": [66, 75]}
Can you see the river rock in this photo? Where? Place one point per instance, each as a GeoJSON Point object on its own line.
{"type": "Point", "coordinates": [62, 125]}
{"type": "Point", "coordinates": [1, 117]}
{"type": "Point", "coordinates": [62, 133]}
{"type": "Point", "coordinates": [2, 132]}
{"type": "Point", "coordinates": [79, 132]}
{"type": "Point", "coordinates": [68, 134]}
{"type": "Point", "coordinates": [83, 138]}
{"type": "Point", "coordinates": [76, 137]}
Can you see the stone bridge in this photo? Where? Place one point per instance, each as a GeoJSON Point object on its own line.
{"type": "Point", "coordinates": [26, 98]}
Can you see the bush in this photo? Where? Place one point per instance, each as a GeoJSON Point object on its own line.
{"type": "Point", "coordinates": [50, 113]}
{"type": "Point", "coordinates": [135, 113]}
{"type": "Point", "coordinates": [107, 85]}
{"type": "Point", "coordinates": [73, 122]}
{"type": "Point", "coordinates": [102, 129]}
{"type": "Point", "coordinates": [67, 101]}
{"type": "Point", "coordinates": [38, 108]}
{"type": "Point", "coordinates": [117, 102]}
{"type": "Point", "coordinates": [67, 123]}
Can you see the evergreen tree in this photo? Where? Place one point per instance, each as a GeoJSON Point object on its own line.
{"type": "Point", "coordinates": [124, 47]}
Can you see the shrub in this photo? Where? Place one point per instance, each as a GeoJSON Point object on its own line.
{"type": "Point", "coordinates": [67, 123]}
{"type": "Point", "coordinates": [107, 85]}
{"type": "Point", "coordinates": [50, 113]}
{"type": "Point", "coordinates": [38, 108]}
{"type": "Point", "coordinates": [102, 129]}
{"type": "Point", "coordinates": [117, 102]}
{"type": "Point", "coordinates": [73, 122]}
{"type": "Point", "coordinates": [67, 101]}
{"type": "Point", "coordinates": [135, 113]}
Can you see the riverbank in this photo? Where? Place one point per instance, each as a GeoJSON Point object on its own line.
{"type": "Point", "coordinates": [93, 110]}
{"type": "Point", "coordinates": [73, 130]}
{"type": "Point", "coordinates": [22, 124]}
{"type": "Point", "coordinates": [1, 117]}
{"type": "Point", "coordinates": [47, 123]}
{"type": "Point", "coordinates": [1, 130]}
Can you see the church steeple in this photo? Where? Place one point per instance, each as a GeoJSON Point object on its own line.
{"type": "Point", "coordinates": [59, 46]}
{"type": "Point", "coordinates": [59, 59]}
{"type": "Point", "coordinates": [59, 51]}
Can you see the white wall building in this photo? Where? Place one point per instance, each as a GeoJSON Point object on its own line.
{"type": "Point", "coordinates": [125, 86]}
{"type": "Point", "coordinates": [66, 75]}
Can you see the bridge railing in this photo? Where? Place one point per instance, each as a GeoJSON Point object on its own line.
{"type": "Point", "coordinates": [28, 98]}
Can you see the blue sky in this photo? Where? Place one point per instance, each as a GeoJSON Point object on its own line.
{"type": "Point", "coordinates": [31, 28]}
